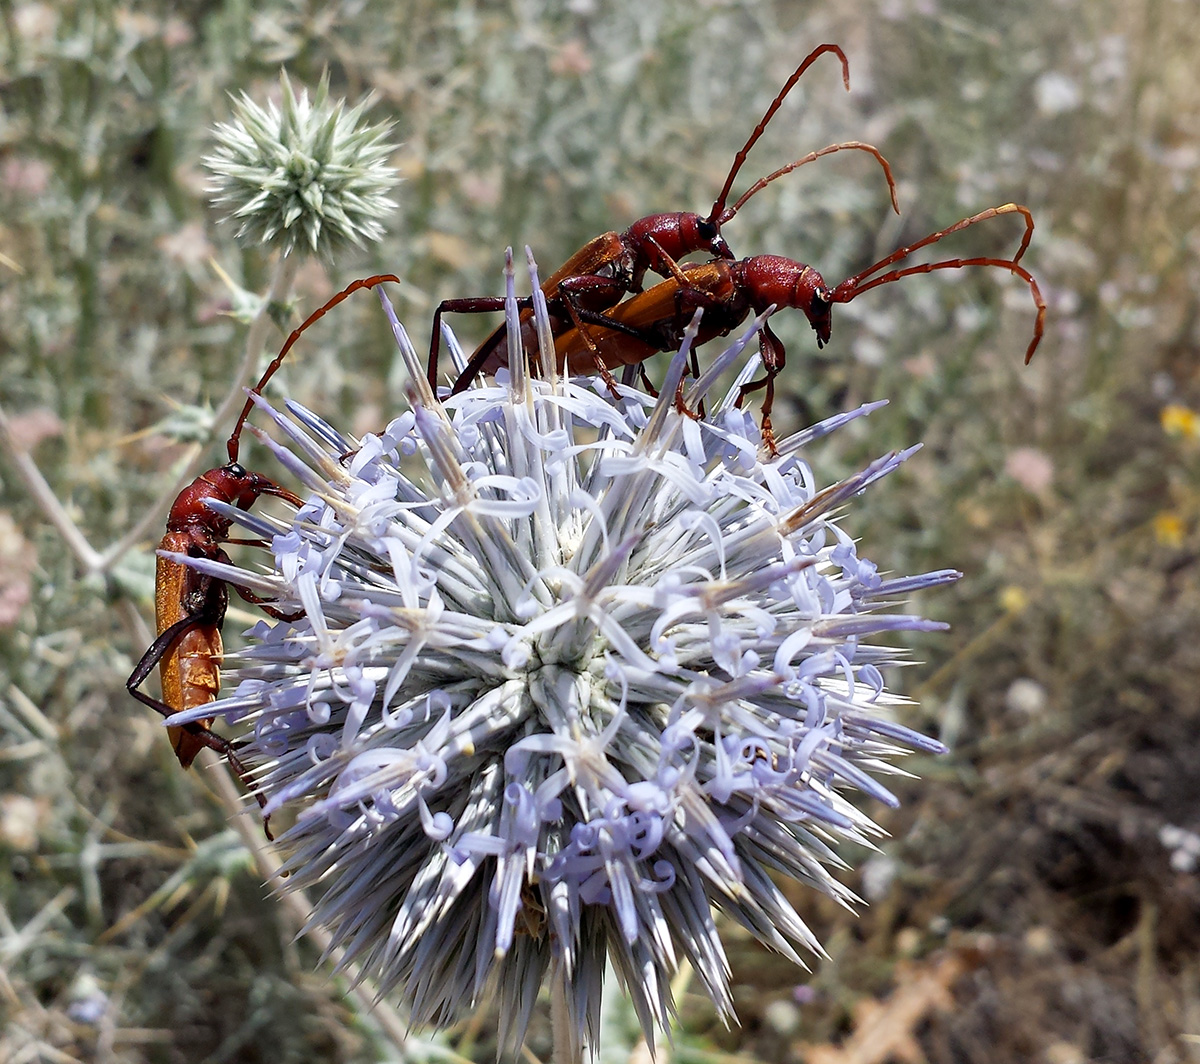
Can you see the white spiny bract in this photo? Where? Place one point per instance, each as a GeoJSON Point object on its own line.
{"type": "Point", "coordinates": [304, 174]}
{"type": "Point", "coordinates": [571, 674]}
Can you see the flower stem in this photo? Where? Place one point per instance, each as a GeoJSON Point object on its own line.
{"type": "Point", "coordinates": [296, 906]}
{"type": "Point", "coordinates": [281, 285]}
{"type": "Point", "coordinates": [89, 558]}
{"type": "Point", "coordinates": [567, 1047]}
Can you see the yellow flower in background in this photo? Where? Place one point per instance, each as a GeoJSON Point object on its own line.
{"type": "Point", "coordinates": [1179, 420]}
{"type": "Point", "coordinates": [1168, 529]}
{"type": "Point", "coordinates": [1013, 599]}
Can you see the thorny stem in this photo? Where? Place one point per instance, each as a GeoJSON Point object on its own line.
{"type": "Point", "coordinates": [281, 286]}
{"type": "Point", "coordinates": [92, 561]}
{"type": "Point", "coordinates": [156, 513]}
{"type": "Point", "coordinates": [295, 903]}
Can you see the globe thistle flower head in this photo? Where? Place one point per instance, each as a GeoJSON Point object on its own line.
{"type": "Point", "coordinates": [303, 174]}
{"type": "Point", "coordinates": [572, 674]}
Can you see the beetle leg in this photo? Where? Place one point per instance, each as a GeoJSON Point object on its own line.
{"type": "Point", "coordinates": [266, 605]}
{"type": "Point", "coordinates": [155, 652]}
{"type": "Point", "coordinates": [206, 736]}
{"type": "Point", "coordinates": [576, 312]}
{"type": "Point", "coordinates": [773, 357]}
{"type": "Point", "coordinates": [470, 305]}
{"type": "Point", "coordinates": [477, 305]}
{"type": "Point", "coordinates": [595, 317]}
{"type": "Point", "coordinates": [767, 382]}
{"type": "Point", "coordinates": [633, 372]}
{"type": "Point", "coordinates": [277, 492]}
{"type": "Point", "coordinates": [580, 287]}
{"type": "Point", "coordinates": [671, 266]}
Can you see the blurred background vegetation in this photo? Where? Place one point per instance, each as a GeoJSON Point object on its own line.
{"type": "Point", "coordinates": [1039, 898]}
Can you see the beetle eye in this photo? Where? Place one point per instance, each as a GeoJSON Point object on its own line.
{"type": "Point", "coordinates": [706, 229]}
{"type": "Point", "coordinates": [236, 470]}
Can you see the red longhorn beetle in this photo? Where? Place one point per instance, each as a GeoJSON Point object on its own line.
{"type": "Point", "coordinates": [612, 265]}
{"type": "Point", "coordinates": [190, 609]}
{"type": "Point", "coordinates": [606, 268]}
{"type": "Point", "coordinates": [728, 291]}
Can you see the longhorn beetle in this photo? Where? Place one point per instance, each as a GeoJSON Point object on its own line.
{"type": "Point", "coordinates": [190, 609]}
{"type": "Point", "coordinates": [728, 291]}
{"type": "Point", "coordinates": [606, 268]}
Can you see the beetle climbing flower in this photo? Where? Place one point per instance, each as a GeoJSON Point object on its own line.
{"type": "Point", "coordinates": [573, 673]}
{"type": "Point", "coordinates": [305, 174]}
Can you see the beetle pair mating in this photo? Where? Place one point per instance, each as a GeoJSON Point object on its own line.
{"type": "Point", "coordinates": [601, 318]}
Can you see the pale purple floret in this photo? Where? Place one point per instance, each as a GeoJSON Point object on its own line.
{"type": "Point", "coordinates": [572, 672]}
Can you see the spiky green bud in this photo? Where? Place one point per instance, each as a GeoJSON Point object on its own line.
{"type": "Point", "coordinates": [304, 174]}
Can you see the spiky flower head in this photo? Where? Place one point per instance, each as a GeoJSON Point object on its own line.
{"type": "Point", "coordinates": [303, 174]}
{"type": "Point", "coordinates": [572, 673]}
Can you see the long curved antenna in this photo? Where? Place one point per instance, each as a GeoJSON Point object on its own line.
{"type": "Point", "coordinates": [719, 206]}
{"type": "Point", "coordinates": [954, 264]}
{"type": "Point", "coordinates": [854, 282]}
{"type": "Point", "coordinates": [856, 285]}
{"type": "Point", "coordinates": [812, 156]}
{"type": "Point", "coordinates": [366, 282]}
